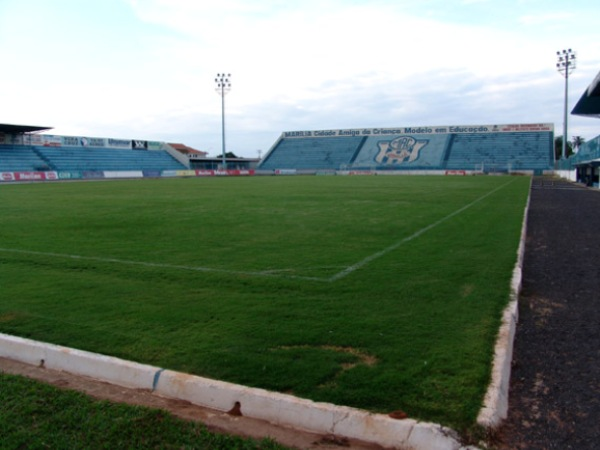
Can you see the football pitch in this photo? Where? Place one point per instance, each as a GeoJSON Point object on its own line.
{"type": "Point", "coordinates": [377, 292]}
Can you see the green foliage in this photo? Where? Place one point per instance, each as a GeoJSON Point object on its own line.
{"type": "Point", "coordinates": [35, 415]}
{"type": "Point", "coordinates": [381, 293]}
{"type": "Point", "coordinates": [578, 141]}
{"type": "Point", "coordinates": [558, 143]}
{"type": "Point", "coordinates": [227, 155]}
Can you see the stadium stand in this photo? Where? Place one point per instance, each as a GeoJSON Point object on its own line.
{"type": "Point", "coordinates": [17, 158]}
{"type": "Point", "coordinates": [486, 148]}
{"type": "Point", "coordinates": [480, 148]}
{"type": "Point", "coordinates": [24, 149]}
{"type": "Point", "coordinates": [313, 153]}
{"type": "Point", "coordinates": [501, 152]}
{"type": "Point", "coordinates": [584, 165]}
{"type": "Point", "coordinates": [91, 159]}
{"type": "Point", "coordinates": [33, 158]}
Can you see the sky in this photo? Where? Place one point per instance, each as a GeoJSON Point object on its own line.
{"type": "Point", "coordinates": [145, 69]}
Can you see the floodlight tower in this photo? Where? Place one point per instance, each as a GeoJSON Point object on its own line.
{"type": "Point", "coordinates": [565, 65]}
{"type": "Point", "coordinates": [223, 82]}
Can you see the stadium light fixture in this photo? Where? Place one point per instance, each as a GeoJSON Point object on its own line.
{"type": "Point", "coordinates": [565, 65]}
{"type": "Point", "coordinates": [223, 82]}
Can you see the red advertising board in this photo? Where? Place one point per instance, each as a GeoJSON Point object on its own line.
{"type": "Point", "coordinates": [28, 176]}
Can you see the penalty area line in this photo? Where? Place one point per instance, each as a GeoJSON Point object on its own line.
{"type": "Point", "coordinates": [354, 267]}
{"type": "Point", "coordinates": [266, 274]}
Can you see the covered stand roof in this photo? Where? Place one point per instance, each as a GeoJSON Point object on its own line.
{"type": "Point", "coordinates": [21, 129]}
{"type": "Point", "coordinates": [589, 103]}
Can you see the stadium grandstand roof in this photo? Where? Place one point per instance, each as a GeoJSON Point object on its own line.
{"type": "Point", "coordinates": [182, 148]}
{"type": "Point", "coordinates": [20, 129]}
{"type": "Point", "coordinates": [589, 103]}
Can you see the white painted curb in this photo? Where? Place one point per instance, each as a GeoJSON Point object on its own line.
{"type": "Point", "coordinates": [100, 367]}
{"type": "Point", "coordinates": [495, 404]}
{"type": "Point", "coordinates": [290, 411]}
{"type": "Point", "coordinates": [280, 409]}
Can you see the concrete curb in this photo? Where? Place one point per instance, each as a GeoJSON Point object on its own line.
{"type": "Point", "coordinates": [279, 409]}
{"type": "Point", "coordinates": [495, 404]}
{"type": "Point", "coordinates": [100, 367]}
{"type": "Point", "coordinates": [322, 418]}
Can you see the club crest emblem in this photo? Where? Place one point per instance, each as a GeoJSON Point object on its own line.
{"type": "Point", "coordinates": [399, 150]}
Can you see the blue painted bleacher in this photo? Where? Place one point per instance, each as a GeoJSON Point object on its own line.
{"type": "Point", "coordinates": [312, 153]}
{"type": "Point", "coordinates": [100, 159]}
{"type": "Point", "coordinates": [17, 158]}
{"type": "Point", "coordinates": [488, 152]}
{"type": "Point", "coordinates": [500, 151]}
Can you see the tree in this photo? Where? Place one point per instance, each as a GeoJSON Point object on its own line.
{"type": "Point", "coordinates": [558, 142]}
{"type": "Point", "coordinates": [227, 155]}
{"type": "Point", "coordinates": [578, 141]}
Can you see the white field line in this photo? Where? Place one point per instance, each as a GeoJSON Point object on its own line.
{"type": "Point", "coordinates": [354, 267]}
{"type": "Point", "coordinates": [159, 265]}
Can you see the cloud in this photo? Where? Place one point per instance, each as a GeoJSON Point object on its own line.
{"type": "Point", "coordinates": [146, 68]}
{"type": "Point", "coordinates": [547, 18]}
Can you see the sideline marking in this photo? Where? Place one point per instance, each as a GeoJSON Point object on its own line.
{"type": "Point", "coordinates": [354, 267]}
{"type": "Point", "coordinates": [160, 265]}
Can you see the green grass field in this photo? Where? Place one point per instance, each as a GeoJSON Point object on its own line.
{"type": "Point", "coordinates": [35, 415]}
{"type": "Point", "coordinates": [381, 293]}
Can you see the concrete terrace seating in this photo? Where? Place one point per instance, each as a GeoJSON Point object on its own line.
{"type": "Point", "coordinates": [312, 153]}
{"type": "Point", "coordinates": [99, 159]}
{"type": "Point", "coordinates": [20, 159]}
{"type": "Point", "coordinates": [487, 151]}
{"type": "Point", "coordinates": [501, 151]}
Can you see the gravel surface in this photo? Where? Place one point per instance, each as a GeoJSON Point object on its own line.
{"type": "Point", "coordinates": [555, 381]}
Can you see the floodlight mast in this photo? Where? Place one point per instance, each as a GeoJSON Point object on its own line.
{"type": "Point", "coordinates": [223, 82]}
{"type": "Point", "coordinates": [565, 64]}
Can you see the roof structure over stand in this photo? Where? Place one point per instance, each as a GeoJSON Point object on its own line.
{"type": "Point", "coordinates": [21, 129]}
